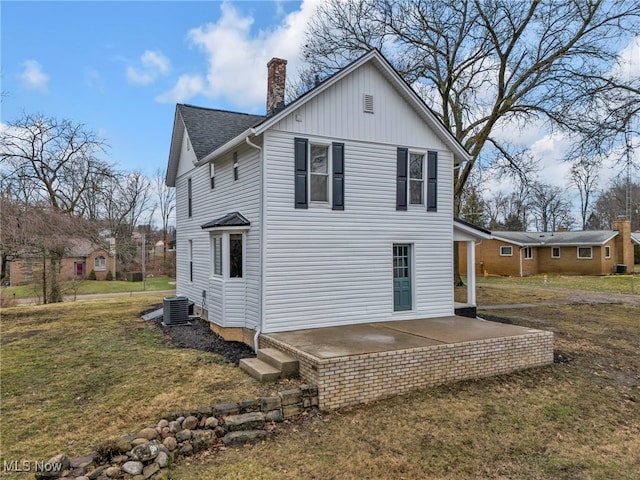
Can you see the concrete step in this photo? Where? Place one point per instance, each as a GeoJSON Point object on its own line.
{"type": "Point", "coordinates": [260, 370]}
{"type": "Point", "coordinates": [287, 365]}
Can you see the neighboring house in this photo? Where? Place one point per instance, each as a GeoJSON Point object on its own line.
{"type": "Point", "coordinates": [598, 252]}
{"type": "Point", "coordinates": [336, 209]}
{"type": "Point", "coordinates": [81, 258]}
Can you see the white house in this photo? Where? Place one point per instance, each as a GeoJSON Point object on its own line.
{"type": "Point", "coordinates": [335, 209]}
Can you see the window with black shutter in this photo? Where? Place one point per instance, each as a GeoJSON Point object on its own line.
{"type": "Point", "coordinates": [432, 182]}
{"type": "Point", "coordinates": [301, 155]}
{"type": "Point", "coordinates": [337, 154]}
{"type": "Point", "coordinates": [401, 178]}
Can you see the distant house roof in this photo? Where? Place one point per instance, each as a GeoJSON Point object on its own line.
{"type": "Point", "coordinates": [556, 239]}
{"type": "Point", "coordinates": [234, 219]}
{"type": "Point", "coordinates": [635, 237]}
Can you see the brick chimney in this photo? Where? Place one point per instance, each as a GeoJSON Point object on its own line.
{"type": "Point", "coordinates": [276, 78]}
{"type": "Point", "coordinates": [624, 247]}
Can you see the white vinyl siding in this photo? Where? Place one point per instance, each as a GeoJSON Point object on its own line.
{"type": "Point", "coordinates": [332, 268]}
{"type": "Point", "coordinates": [231, 302]}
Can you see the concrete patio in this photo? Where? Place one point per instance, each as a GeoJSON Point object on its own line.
{"type": "Point", "coordinates": [357, 363]}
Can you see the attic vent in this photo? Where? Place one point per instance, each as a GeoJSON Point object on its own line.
{"type": "Point", "coordinates": [176, 310]}
{"type": "Point", "coordinates": [367, 103]}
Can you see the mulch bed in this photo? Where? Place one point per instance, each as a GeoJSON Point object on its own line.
{"type": "Point", "coordinates": [199, 336]}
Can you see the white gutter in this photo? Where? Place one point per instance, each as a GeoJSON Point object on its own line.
{"type": "Point", "coordinates": [262, 241]}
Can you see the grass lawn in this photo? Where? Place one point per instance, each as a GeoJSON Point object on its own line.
{"type": "Point", "coordinates": [93, 286]}
{"type": "Point", "coordinates": [76, 373]}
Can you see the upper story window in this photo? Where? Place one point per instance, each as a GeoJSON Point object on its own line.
{"type": "Point", "coordinates": [212, 175]}
{"type": "Point", "coordinates": [416, 179]}
{"type": "Point", "coordinates": [189, 198]}
{"type": "Point", "coordinates": [100, 263]}
{"type": "Point", "coordinates": [235, 166]}
{"type": "Point", "coordinates": [319, 174]}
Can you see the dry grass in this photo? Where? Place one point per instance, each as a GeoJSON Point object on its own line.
{"type": "Point", "coordinates": [75, 373]}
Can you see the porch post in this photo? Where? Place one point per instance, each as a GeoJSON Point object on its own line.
{"type": "Point", "coordinates": [471, 273]}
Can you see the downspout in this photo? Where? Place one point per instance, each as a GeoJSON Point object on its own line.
{"type": "Point", "coordinates": [520, 258]}
{"type": "Point", "coordinates": [262, 229]}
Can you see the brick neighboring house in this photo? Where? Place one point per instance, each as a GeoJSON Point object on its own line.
{"type": "Point", "coordinates": [598, 252]}
{"type": "Point", "coordinates": [82, 257]}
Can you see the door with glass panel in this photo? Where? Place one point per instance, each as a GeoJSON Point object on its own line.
{"type": "Point", "coordinates": [402, 290]}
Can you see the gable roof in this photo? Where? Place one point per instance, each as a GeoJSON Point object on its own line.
{"type": "Point", "coordinates": [208, 129]}
{"type": "Point", "coordinates": [556, 239]}
{"type": "Point", "coordinates": [234, 128]}
{"type": "Point", "coordinates": [635, 237]}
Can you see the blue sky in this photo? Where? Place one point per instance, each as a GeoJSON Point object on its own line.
{"type": "Point", "coordinates": [119, 67]}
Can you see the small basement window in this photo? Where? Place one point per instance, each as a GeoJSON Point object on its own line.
{"type": "Point", "coordinates": [585, 252]}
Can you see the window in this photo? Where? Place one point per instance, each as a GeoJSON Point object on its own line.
{"type": "Point", "coordinates": [528, 253]}
{"type": "Point", "coordinates": [216, 245]}
{"type": "Point", "coordinates": [189, 198]}
{"type": "Point", "coordinates": [235, 255]}
{"type": "Point", "coordinates": [506, 251]}
{"type": "Point", "coordinates": [555, 252]}
{"type": "Point", "coordinates": [212, 175]}
{"type": "Point", "coordinates": [416, 179]}
{"type": "Point", "coordinates": [191, 260]}
{"type": "Point", "coordinates": [100, 263]}
{"type": "Point", "coordinates": [319, 173]}
{"type": "Point", "coordinates": [235, 165]}
{"type": "Point", "coordinates": [585, 252]}
{"type": "Point", "coordinates": [607, 251]}
{"type": "Point", "coordinates": [411, 176]}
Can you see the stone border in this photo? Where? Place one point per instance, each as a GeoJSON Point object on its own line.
{"type": "Point", "coordinates": [146, 455]}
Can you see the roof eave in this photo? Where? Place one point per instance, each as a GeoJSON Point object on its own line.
{"type": "Point", "coordinates": [174, 150]}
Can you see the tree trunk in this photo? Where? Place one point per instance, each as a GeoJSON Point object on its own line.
{"type": "Point", "coordinates": [55, 292]}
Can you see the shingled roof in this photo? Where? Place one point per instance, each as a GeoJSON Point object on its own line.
{"type": "Point", "coordinates": [210, 128]}
{"type": "Point", "coordinates": [234, 219]}
{"type": "Point", "coordinates": [537, 239]}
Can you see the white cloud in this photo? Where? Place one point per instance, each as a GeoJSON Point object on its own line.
{"type": "Point", "coordinates": [628, 66]}
{"type": "Point", "coordinates": [154, 63]}
{"type": "Point", "coordinates": [34, 77]}
{"type": "Point", "coordinates": [237, 57]}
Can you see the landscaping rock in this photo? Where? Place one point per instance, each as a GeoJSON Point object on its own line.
{"type": "Point", "coordinates": [163, 423]}
{"type": "Point", "coordinates": [252, 405]}
{"type": "Point", "coordinates": [93, 475]}
{"type": "Point", "coordinates": [205, 411]}
{"type": "Point", "coordinates": [292, 410]}
{"type": "Point", "coordinates": [180, 419]}
{"type": "Point", "coordinates": [170, 443]}
{"type": "Point", "coordinates": [53, 467]}
{"type": "Point", "coordinates": [164, 432]}
{"type": "Point", "coordinates": [291, 397]}
{"type": "Point", "coordinates": [270, 403]}
{"type": "Point", "coordinates": [203, 439]}
{"type": "Point", "coordinates": [138, 441]}
{"type": "Point", "coordinates": [162, 459]}
{"type": "Point", "coordinates": [112, 472]}
{"type": "Point", "coordinates": [81, 462]}
{"type": "Point", "coordinates": [148, 433]}
{"type": "Point", "coordinates": [211, 423]}
{"type": "Point", "coordinates": [174, 427]}
{"type": "Point", "coordinates": [186, 449]}
{"type": "Point", "coordinates": [146, 452]}
{"type": "Point", "coordinates": [133, 468]}
{"type": "Point", "coordinates": [183, 436]}
{"type": "Point", "coordinates": [243, 437]}
{"type": "Point", "coordinates": [245, 421]}
{"type": "Point", "coordinates": [274, 416]}
{"type": "Point", "coordinates": [229, 408]}
{"type": "Point", "coordinates": [150, 470]}
{"type": "Point", "coordinates": [190, 423]}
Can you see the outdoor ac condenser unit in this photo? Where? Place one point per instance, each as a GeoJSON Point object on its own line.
{"type": "Point", "coordinates": [176, 310]}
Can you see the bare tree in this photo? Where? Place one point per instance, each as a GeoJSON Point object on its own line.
{"type": "Point", "coordinates": [55, 160]}
{"type": "Point", "coordinates": [550, 207]}
{"type": "Point", "coordinates": [166, 205]}
{"type": "Point", "coordinates": [611, 204]}
{"type": "Point", "coordinates": [584, 176]}
{"type": "Point", "coordinates": [486, 64]}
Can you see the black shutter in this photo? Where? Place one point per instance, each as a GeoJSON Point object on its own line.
{"type": "Point", "coordinates": [301, 197]}
{"type": "Point", "coordinates": [432, 182]}
{"type": "Point", "coordinates": [337, 154]}
{"type": "Point", "coordinates": [401, 179]}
